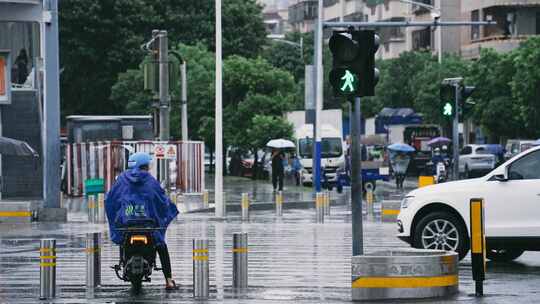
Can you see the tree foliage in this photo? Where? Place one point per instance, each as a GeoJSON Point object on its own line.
{"type": "Point", "coordinates": [102, 38]}
{"type": "Point", "coordinates": [526, 85]}
{"type": "Point", "coordinates": [251, 87]}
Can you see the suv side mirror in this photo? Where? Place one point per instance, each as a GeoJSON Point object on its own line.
{"type": "Point", "coordinates": [502, 177]}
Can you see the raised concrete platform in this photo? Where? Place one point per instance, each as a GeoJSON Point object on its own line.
{"type": "Point", "coordinates": [404, 274]}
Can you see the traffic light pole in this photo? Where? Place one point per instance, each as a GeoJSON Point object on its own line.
{"type": "Point", "coordinates": [316, 172]}
{"type": "Point", "coordinates": [455, 135]}
{"type": "Point", "coordinates": [356, 180]}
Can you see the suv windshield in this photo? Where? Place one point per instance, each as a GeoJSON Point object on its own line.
{"type": "Point", "coordinates": [330, 147]}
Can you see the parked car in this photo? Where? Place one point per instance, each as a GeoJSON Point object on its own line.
{"type": "Point", "coordinates": [438, 216]}
{"type": "Point", "coordinates": [516, 146]}
{"type": "Point", "coordinates": [475, 159]}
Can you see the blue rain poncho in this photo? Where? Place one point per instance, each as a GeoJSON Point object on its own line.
{"type": "Point", "coordinates": [137, 196]}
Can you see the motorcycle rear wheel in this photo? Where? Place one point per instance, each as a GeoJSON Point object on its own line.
{"type": "Point", "coordinates": [136, 285]}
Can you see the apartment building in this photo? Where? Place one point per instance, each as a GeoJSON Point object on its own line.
{"type": "Point", "coordinates": [394, 41]}
{"type": "Point", "coordinates": [516, 20]}
{"type": "Point", "coordinates": [276, 17]}
{"type": "Point", "coordinates": [303, 13]}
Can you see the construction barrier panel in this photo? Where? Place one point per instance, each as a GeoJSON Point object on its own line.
{"type": "Point", "coordinates": [107, 160]}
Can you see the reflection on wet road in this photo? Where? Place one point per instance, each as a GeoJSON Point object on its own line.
{"type": "Point", "coordinates": [291, 259]}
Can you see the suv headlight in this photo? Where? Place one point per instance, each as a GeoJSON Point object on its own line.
{"type": "Point", "coordinates": [406, 201]}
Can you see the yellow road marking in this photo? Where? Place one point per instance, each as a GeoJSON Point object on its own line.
{"type": "Point", "coordinates": [405, 282]}
{"type": "Point", "coordinates": [15, 213]}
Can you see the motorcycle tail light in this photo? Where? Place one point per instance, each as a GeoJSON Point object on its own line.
{"type": "Point", "coordinates": [138, 238]}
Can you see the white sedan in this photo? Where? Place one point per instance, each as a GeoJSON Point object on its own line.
{"type": "Point", "coordinates": [438, 216]}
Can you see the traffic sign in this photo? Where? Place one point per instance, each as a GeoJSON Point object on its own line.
{"type": "Point", "coordinates": [171, 152]}
{"type": "Point", "coordinates": [162, 151]}
{"type": "Point", "coordinates": [159, 151]}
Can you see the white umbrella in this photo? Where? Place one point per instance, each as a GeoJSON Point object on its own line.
{"type": "Point", "coordinates": [280, 144]}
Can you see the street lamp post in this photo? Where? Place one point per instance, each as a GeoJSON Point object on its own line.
{"type": "Point", "coordinates": [218, 183]}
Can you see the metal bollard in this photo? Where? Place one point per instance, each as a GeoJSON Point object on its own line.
{"type": "Point", "coordinates": [279, 203]}
{"type": "Point", "coordinates": [91, 199]}
{"type": "Point", "coordinates": [327, 203]}
{"type": "Point", "coordinates": [206, 199]}
{"type": "Point", "coordinates": [101, 207]}
{"type": "Point", "coordinates": [240, 260]}
{"type": "Point", "coordinates": [93, 260]}
{"type": "Point", "coordinates": [245, 206]}
{"type": "Point", "coordinates": [201, 275]}
{"type": "Point", "coordinates": [319, 207]}
{"type": "Point", "coordinates": [47, 269]}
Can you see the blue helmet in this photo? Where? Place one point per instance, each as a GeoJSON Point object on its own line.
{"type": "Point", "coordinates": [136, 160]}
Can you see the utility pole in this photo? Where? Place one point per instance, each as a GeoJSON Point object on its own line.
{"type": "Point", "coordinates": [164, 98]}
{"type": "Point", "coordinates": [455, 133]}
{"type": "Point", "coordinates": [356, 179]}
{"type": "Point", "coordinates": [183, 101]}
{"type": "Point", "coordinates": [316, 172]}
{"type": "Point", "coordinates": [218, 186]}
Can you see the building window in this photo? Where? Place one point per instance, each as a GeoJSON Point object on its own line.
{"type": "Point", "coordinates": [328, 3]}
{"type": "Point", "coordinates": [475, 29]}
{"type": "Point", "coordinates": [538, 23]}
{"type": "Point", "coordinates": [422, 39]}
{"type": "Point", "coordinates": [21, 40]}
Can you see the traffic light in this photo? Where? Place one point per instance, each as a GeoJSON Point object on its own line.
{"type": "Point", "coordinates": [448, 100]}
{"type": "Point", "coordinates": [465, 106]}
{"type": "Point", "coordinates": [447, 94]}
{"type": "Point", "coordinates": [354, 73]}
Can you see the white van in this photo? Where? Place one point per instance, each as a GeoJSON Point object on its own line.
{"type": "Point", "coordinates": [332, 151]}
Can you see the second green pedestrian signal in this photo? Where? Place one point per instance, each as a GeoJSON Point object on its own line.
{"type": "Point", "coordinates": [448, 109]}
{"type": "Point", "coordinates": [447, 102]}
{"type": "Point", "coordinates": [354, 73]}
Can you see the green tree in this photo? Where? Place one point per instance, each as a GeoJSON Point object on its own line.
{"type": "Point", "coordinates": [526, 85]}
{"type": "Point", "coordinates": [264, 128]}
{"type": "Point", "coordinates": [100, 39]}
{"type": "Point", "coordinates": [395, 85]}
{"type": "Point", "coordinates": [495, 109]}
{"type": "Point", "coordinates": [251, 87]}
{"type": "Point", "coordinates": [426, 86]}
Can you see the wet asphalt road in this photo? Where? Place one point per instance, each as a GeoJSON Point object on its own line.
{"type": "Point", "coordinates": [292, 260]}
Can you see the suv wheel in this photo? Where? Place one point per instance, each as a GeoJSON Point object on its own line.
{"type": "Point", "coordinates": [503, 255]}
{"type": "Point", "coordinates": [442, 231]}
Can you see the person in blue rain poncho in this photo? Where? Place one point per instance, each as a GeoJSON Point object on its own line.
{"type": "Point", "coordinates": [136, 193]}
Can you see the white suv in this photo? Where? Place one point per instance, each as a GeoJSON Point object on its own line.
{"type": "Point", "coordinates": [475, 159]}
{"type": "Point", "coordinates": [438, 216]}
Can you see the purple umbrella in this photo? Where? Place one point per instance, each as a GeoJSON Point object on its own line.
{"type": "Point", "coordinates": [439, 141]}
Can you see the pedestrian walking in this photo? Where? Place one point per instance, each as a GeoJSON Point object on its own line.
{"type": "Point", "coordinates": [278, 170]}
{"type": "Point", "coordinates": [296, 168]}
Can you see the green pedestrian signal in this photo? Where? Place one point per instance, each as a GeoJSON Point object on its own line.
{"type": "Point", "coordinates": [348, 82]}
{"type": "Point", "coordinates": [448, 109]}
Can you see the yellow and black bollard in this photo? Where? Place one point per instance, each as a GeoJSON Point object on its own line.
{"type": "Point", "coordinates": [478, 245]}
{"type": "Point", "coordinates": [206, 199]}
{"type": "Point", "coordinates": [245, 206]}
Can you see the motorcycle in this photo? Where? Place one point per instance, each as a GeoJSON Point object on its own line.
{"type": "Point", "coordinates": [137, 254]}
